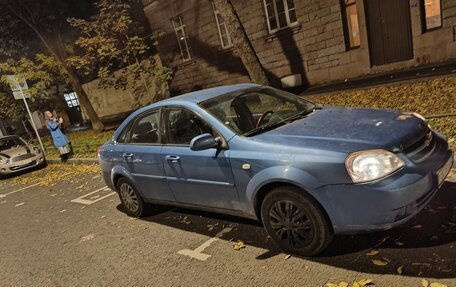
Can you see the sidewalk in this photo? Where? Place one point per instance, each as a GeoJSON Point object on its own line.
{"type": "Point", "coordinates": [395, 77]}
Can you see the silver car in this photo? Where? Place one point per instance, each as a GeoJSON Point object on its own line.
{"type": "Point", "coordinates": [17, 155]}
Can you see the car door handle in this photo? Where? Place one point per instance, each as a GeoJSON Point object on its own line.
{"type": "Point", "coordinates": [173, 158]}
{"type": "Point", "coordinates": [128, 156]}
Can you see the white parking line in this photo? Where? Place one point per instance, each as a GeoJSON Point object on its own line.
{"type": "Point", "coordinates": [197, 253]}
{"type": "Point", "coordinates": [20, 189]}
{"type": "Point", "coordinates": [96, 198]}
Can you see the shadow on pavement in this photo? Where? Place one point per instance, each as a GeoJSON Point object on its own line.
{"type": "Point", "coordinates": [425, 246]}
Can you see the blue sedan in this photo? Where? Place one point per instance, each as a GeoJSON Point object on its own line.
{"type": "Point", "coordinates": [306, 172]}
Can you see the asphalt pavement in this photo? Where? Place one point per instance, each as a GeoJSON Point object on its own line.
{"type": "Point", "coordinates": [75, 233]}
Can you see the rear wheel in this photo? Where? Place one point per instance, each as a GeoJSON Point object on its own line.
{"type": "Point", "coordinates": [295, 221]}
{"type": "Point", "coordinates": [131, 199]}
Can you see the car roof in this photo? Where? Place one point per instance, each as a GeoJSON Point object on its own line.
{"type": "Point", "coordinates": [8, 137]}
{"type": "Point", "coordinates": [206, 94]}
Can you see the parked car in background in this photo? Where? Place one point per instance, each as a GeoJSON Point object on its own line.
{"type": "Point", "coordinates": [306, 172]}
{"type": "Point", "coordinates": [17, 155]}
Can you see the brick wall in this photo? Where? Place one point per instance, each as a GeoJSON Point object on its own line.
{"type": "Point", "coordinates": [314, 48]}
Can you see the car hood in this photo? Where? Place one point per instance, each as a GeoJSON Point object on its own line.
{"type": "Point", "coordinates": [16, 151]}
{"type": "Point", "coordinates": [350, 129]}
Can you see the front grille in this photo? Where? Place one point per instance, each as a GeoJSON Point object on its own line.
{"type": "Point", "coordinates": [22, 157]}
{"type": "Point", "coordinates": [421, 149]}
{"type": "Point", "coordinates": [32, 163]}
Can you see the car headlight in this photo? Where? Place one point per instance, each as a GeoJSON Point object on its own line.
{"type": "Point", "coordinates": [3, 160]}
{"type": "Point", "coordinates": [371, 165]}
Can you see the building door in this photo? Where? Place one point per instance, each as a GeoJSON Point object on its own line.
{"type": "Point", "coordinates": [389, 31]}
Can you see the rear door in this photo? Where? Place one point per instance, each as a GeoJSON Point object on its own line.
{"type": "Point", "coordinates": [201, 178]}
{"type": "Point", "coordinates": [141, 155]}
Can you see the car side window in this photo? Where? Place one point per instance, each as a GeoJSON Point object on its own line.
{"type": "Point", "coordinates": [183, 126]}
{"type": "Point", "coordinates": [146, 129]}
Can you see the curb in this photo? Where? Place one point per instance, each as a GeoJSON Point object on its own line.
{"type": "Point", "coordinates": [73, 161]}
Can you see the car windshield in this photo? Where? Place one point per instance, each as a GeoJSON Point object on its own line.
{"type": "Point", "coordinates": [9, 143]}
{"type": "Point", "coordinates": [258, 110]}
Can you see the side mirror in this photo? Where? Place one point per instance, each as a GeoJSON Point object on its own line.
{"type": "Point", "coordinates": [202, 142]}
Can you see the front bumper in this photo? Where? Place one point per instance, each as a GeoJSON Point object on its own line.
{"type": "Point", "coordinates": [11, 168]}
{"type": "Point", "coordinates": [382, 205]}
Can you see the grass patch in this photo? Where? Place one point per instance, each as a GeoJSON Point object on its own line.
{"type": "Point", "coordinates": [437, 96]}
{"type": "Point", "coordinates": [85, 143]}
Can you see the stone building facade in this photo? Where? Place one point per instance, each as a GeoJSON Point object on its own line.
{"type": "Point", "coordinates": [302, 42]}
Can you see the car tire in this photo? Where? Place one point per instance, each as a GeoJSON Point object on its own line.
{"type": "Point", "coordinates": [130, 198]}
{"type": "Point", "coordinates": [295, 221]}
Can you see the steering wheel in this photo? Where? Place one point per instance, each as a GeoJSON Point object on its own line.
{"type": "Point", "coordinates": [263, 116]}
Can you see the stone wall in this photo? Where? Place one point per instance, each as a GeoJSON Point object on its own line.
{"type": "Point", "coordinates": [314, 48]}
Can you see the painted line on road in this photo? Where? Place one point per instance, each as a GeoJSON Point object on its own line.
{"type": "Point", "coordinates": [97, 198]}
{"type": "Point", "coordinates": [197, 253]}
{"type": "Point", "coordinates": [20, 189]}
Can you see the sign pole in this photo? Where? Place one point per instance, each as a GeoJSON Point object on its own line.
{"type": "Point", "coordinates": [32, 121]}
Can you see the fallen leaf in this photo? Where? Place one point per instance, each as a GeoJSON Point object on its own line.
{"type": "Point", "coordinates": [364, 282]}
{"type": "Point", "coordinates": [398, 243]}
{"type": "Point", "coordinates": [238, 245]}
{"type": "Point", "coordinates": [212, 226]}
{"type": "Point", "coordinates": [379, 262]}
{"type": "Point", "coordinates": [436, 284]}
{"type": "Point", "coordinates": [340, 284]}
{"type": "Point", "coordinates": [20, 204]}
{"type": "Point", "coordinates": [424, 283]}
{"type": "Point", "coordinates": [53, 195]}
{"type": "Point", "coordinates": [372, 252]}
{"type": "Point", "coordinates": [287, 256]}
{"type": "Point", "coordinates": [400, 270]}
{"type": "Point", "coordinates": [63, 210]}
{"type": "Point", "coordinates": [87, 237]}
{"type": "Point", "coordinates": [418, 226]}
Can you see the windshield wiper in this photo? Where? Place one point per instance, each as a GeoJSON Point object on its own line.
{"type": "Point", "coordinates": [271, 126]}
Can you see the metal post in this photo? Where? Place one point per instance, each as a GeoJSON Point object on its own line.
{"type": "Point", "coordinates": [32, 121]}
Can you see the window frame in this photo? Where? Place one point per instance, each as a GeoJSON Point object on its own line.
{"type": "Point", "coordinates": [230, 42]}
{"type": "Point", "coordinates": [423, 17]}
{"type": "Point", "coordinates": [126, 132]}
{"type": "Point", "coordinates": [276, 15]}
{"type": "Point", "coordinates": [181, 28]}
{"type": "Point", "coordinates": [165, 130]}
{"type": "Point", "coordinates": [343, 10]}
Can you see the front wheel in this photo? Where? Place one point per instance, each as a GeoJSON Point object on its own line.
{"type": "Point", "coordinates": [131, 199]}
{"type": "Point", "coordinates": [295, 221]}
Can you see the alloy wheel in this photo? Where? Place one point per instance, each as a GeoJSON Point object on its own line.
{"type": "Point", "coordinates": [129, 197]}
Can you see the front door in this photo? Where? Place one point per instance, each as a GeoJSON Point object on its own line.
{"type": "Point", "coordinates": [201, 178]}
{"type": "Point", "coordinates": [389, 31]}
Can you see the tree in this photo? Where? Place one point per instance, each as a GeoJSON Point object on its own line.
{"type": "Point", "coordinates": [112, 40]}
{"type": "Point", "coordinates": [47, 20]}
{"type": "Point", "coordinates": [241, 42]}
{"type": "Point", "coordinates": [41, 73]}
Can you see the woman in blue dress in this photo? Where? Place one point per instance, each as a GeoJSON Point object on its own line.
{"type": "Point", "coordinates": [60, 140]}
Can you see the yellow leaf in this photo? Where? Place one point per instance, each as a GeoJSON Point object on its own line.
{"type": "Point", "coordinates": [436, 284]}
{"type": "Point", "coordinates": [364, 282]}
{"type": "Point", "coordinates": [343, 284]}
{"type": "Point", "coordinates": [288, 256]}
{"type": "Point", "coordinates": [379, 263]}
{"type": "Point", "coordinates": [238, 245]}
{"type": "Point", "coordinates": [400, 270]}
{"type": "Point", "coordinates": [372, 252]}
{"type": "Point", "coordinates": [331, 285]}
{"type": "Point", "coordinates": [355, 284]}
{"type": "Point", "coordinates": [424, 283]}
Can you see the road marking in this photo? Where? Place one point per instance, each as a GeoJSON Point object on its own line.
{"type": "Point", "coordinates": [197, 253]}
{"type": "Point", "coordinates": [81, 199]}
{"type": "Point", "coordinates": [20, 189]}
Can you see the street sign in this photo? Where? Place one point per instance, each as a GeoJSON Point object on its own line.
{"type": "Point", "coordinates": [20, 91]}
{"type": "Point", "coordinates": [18, 85]}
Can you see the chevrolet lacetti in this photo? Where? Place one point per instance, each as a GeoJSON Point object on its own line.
{"type": "Point", "coordinates": [306, 172]}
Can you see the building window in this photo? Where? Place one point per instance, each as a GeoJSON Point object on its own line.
{"type": "Point", "coordinates": [182, 38]}
{"type": "Point", "coordinates": [431, 11]}
{"type": "Point", "coordinates": [225, 38]}
{"type": "Point", "coordinates": [72, 100]}
{"type": "Point", "coordinates": [351, 25]}
{"type": "Point", "coordinates": [280, 14]}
